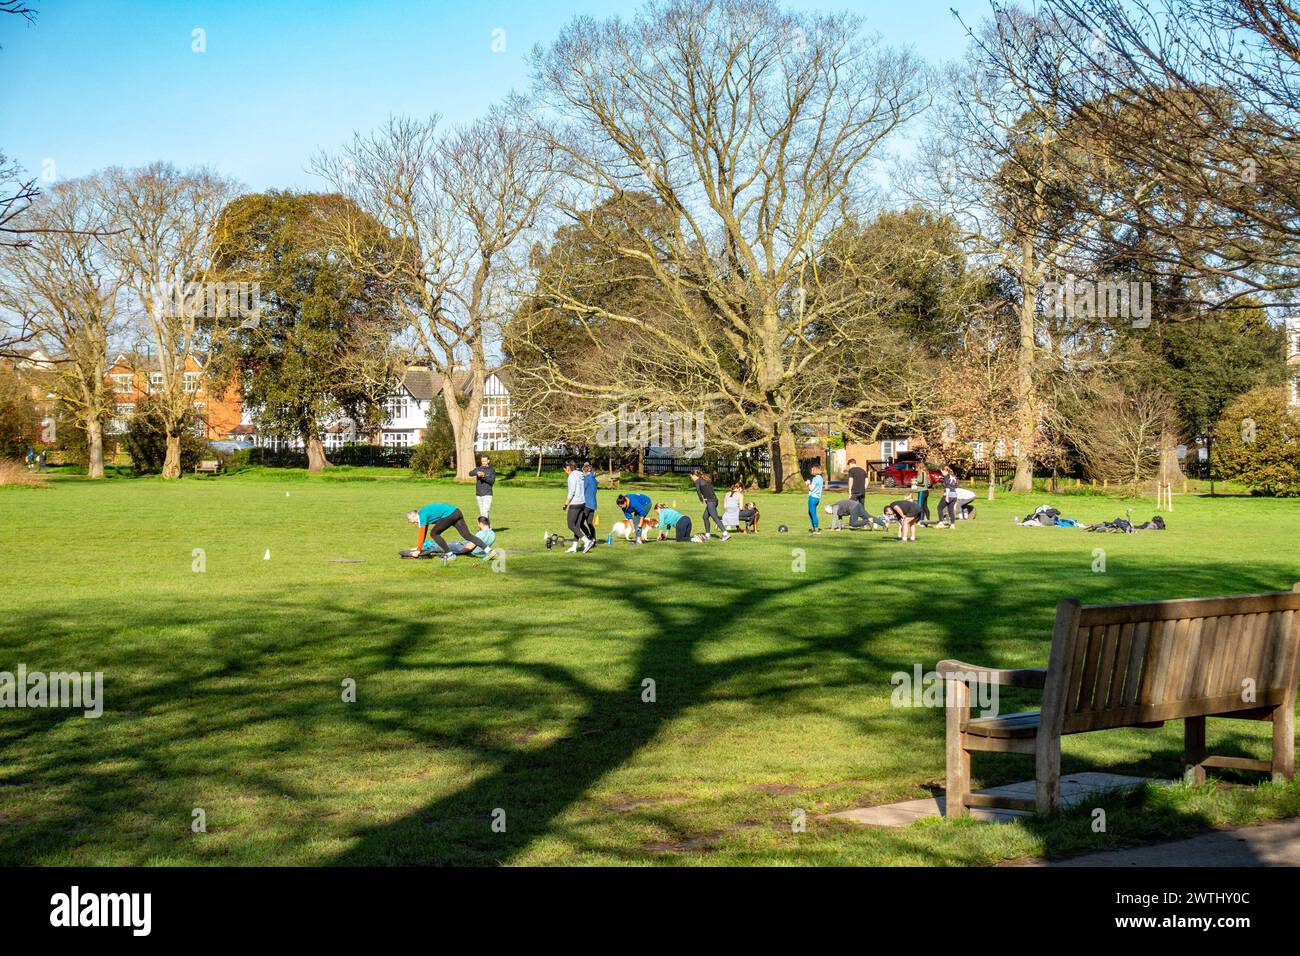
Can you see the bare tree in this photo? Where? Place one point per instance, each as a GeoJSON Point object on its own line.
{"type": "Point", "coordinates": [67, 292]}
{"type": "Point", "coordinates": [1028, 198]}
{"type": "Point", "coordinates": [753, 127]}
{"type": "Point", "coordinates": [1204, 94]}
{"type": "Point", "coordinates": [163, 246]}
{"type": "Point", "coordinates": [459, 207]}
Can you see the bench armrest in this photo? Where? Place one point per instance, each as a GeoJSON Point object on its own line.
{"type": "Point", "coordinates": [1032, 677]}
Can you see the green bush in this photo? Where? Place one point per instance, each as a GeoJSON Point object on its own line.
{"type": "Point", "coordinates": [1257, 442]}
{"type": "Point", "coordinates": [146, 439]}
{"type": "Point", "coordinates": [437, 451]}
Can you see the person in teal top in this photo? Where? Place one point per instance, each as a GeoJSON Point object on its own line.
{"type": "Point", "coordinates": [485, 534]}
{"type": "Point", "coordinates": [434, 519]}
{"type": "Point", "coordinates": [674, 521]}
{"type": "Point", "coordinates": [815, 485]}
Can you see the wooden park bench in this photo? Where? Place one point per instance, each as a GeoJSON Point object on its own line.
{"type": "Point", "coordinates": [209, 467]}
{"type": "Point", "coordinates": [608, 479]}
{"type": "Point", "coordinates": [1136, 665]}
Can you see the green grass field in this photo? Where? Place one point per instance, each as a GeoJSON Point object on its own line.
{"type": "Point", "coordinates": [522, 690]}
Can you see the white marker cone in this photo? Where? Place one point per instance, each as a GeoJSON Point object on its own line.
{"type": "Point", "coordinates": [267, 556]}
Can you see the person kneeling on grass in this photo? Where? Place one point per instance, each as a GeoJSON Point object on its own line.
{"type": "Point", "coordinates": [636, 510]}
{"type": "Point", "coordinates": [850, 509]}
{"type": "Point", "coordinates": [434, 519]}
{"type": "Point", "coordinates": [674, 521]}
{"type": "Point", "coordinates": [907, 513]}
{"type": "Point", "coordinates": [457, 548]}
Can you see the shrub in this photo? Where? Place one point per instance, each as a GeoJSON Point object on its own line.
{"type": "Point", "coordinates": [15, 473]}
{"type": "Point", "coordinates": [19, 422]}
{"type": "Point", "coordinates": [437, 451]}
{"type": "Point", "coordinates": [146, 439]}
{"type": "Point", "coordinates": [505, 462]}
{"type": "Point", "coordinates": [1257, 442]}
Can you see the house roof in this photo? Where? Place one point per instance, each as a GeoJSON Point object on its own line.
{"type": "Point", "coordinates": [424, 386]}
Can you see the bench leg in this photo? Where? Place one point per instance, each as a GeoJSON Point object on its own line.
{"type": "Point", "coordinates": [958, 757]}
{"type": "Point", "coordinates": [1284, 742]}
{"type": "Point", "coordinates": [1194, 749]}
{"type": "Point", "coordinates": [1047, 776]}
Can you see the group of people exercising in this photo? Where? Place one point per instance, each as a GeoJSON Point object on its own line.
{"type": "Point", "coordinates": [642, 515]}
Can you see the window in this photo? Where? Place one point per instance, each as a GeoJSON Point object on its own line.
{"type": "Point", "coordinates": [122, 384]}
{"type": "Point", "coordinates": [397, 407]}
{"type": "Point", "coordinates": [155, 379]}
{"type": "Point", "coordinates": [496, 406]}
{"type": "Point", "coordinates": [977, 450]}
{"type": "Point", "coordinates": [1000, 448]}
{"type": "Point", "coordinates": [190, 383]}
{"type": "Point", "coordinates": [124, 409]}
{"type": "Point", "coordinates": [397, 439]}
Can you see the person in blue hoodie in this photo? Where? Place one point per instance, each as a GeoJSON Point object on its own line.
{"type": "Point", "coordinates": [636, 509]}
{"type": "Point", "coordinates": [588, 501]}
{"type": "Point", "coordinates": [815, 485]}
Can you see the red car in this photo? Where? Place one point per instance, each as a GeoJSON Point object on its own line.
{"type": "Point", "coordinates": [904, 472]}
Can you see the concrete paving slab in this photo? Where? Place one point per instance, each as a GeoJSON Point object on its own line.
{"type": "Point", "coordinates": [1075, 788]}
{"type": "Point", "coordinates": [1267, 844]}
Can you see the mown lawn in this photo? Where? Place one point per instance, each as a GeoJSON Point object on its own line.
{"type": "Point", "coordinates": [522, 691]}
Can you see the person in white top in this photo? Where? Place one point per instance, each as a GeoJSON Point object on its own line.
{"type": "Point", "coordinates": [574, 505]}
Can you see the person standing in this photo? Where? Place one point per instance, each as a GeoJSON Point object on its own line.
{"type": "Point", "coordinates": [949, 502]}
{"type": "Point", "coordinates": [709, 498]}
{"type": "Point", "coordinates": [485, 477]}
{"type": "Point", "coordinates": [589, 484]}
{"type": "Point", "coordinates": [574, 505]}
{"type": "Point", "coordinates": [815, 485]}
{"type": "Point", "coordinates": [923, 483]}
{"type": "Point", "coordinates": [857, 476]}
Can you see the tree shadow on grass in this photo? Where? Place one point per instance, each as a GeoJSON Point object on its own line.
{"type": "Point", "coordinates": [239, 714]}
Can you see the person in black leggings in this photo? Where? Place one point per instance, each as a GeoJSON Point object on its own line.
{"type": "Point", "coordinates": [434, 519]}
{"type": "Point", "coordinates": [709, 498]}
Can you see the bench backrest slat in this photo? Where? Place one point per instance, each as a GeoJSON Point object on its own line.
{"type": "Point", "coordinates": [1140, 663]}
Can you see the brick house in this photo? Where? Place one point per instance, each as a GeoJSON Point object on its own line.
{"type": "Point", "coordinates": [132, 376]}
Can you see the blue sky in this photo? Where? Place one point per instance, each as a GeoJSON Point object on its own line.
{"type": "Point", "coordinates": [95, 83]}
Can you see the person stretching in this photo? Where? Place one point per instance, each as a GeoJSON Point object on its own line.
{"type": "Point", "coordinates": [815, 486]}
{"type": "Point", "coordinates": [709, 498]}
{"type": "Point", "coordinates": [907, 513]}
{"type": "Point", "coordinates": [434, 519]}
{"type": "Point", "coordinates": [674, 521]}
{"type": "Point", "coordinates": [849, 509]}
{"type": "Point", "coordinates": [485, 534]}
{"type": "Point", "coordinates": [636, 509]}
{"type": "Point", "coordinates": [574, 505]}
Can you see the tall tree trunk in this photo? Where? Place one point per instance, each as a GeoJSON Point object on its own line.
{"type": "Point", "coordinates": [316, 459]}
{"type": "Point", "coordinates": [1171, 470]}
{"type": "Point", "coordinates": [94, 447]}
{"type": "Point", "coordinates": [1025, 417]}
{"type": "Point", "coordinates": [789, 458]}
{"type": "Point", "coordinates": [172, 460]}
{"type": "Point", "coordinates": [774, 456]}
